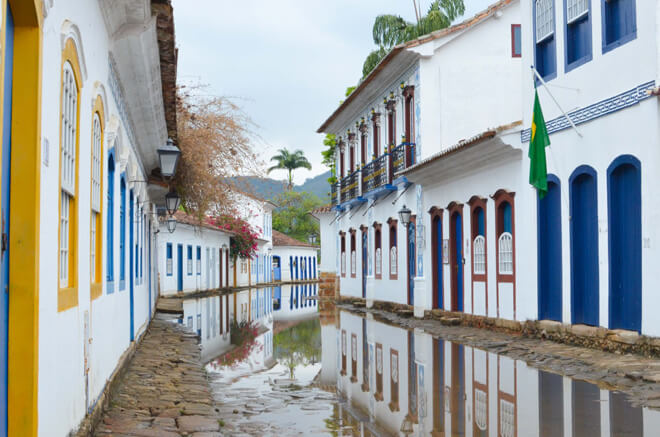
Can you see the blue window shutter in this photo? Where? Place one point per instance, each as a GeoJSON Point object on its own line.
{"type": "Point", "coordinates": [619, 23]}
{"type": "Point", "coordinates": [506, 217]}
{"type": "Point", "coordinates": [110, 244]}
{"type": "Point", "coordinates": [122, 234]}
{"type": "Point", "coordinates": [577, 41]}
{"type": "Point", "coordinates": [545, 52]}
{"type": "Point", "coordinates": [480, 221]}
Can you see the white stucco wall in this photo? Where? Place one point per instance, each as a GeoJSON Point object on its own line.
{"type": "Point", "coordinates": [214, 247]}
{"type": "Point", "coordinates": [62, 398]}
{"type": "Point", "coordinates": [286, 253]}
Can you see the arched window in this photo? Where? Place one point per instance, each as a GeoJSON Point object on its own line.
{"type": "Point", "coordinates": [393, 253]}
{"type": "Point", "coordinates": [480, 409]}
{"type": "Point", "coordinates": [69, 143]}
{"type": "Point", "coordinates": [478, 223]}
{"type": "Point", "coordinates": [353, 254]}
{"type": "Point", "coordinates": [378, 256]}
{"type": "Point", "coordinates": [505, 245]}
{"type": "Point", "coordinates": [95, 219]}
{"type": "Point", "coordinates": [479, 248]}
{"type": "Point", "coordinates": [343, 254]}
{"type": "Point", "coordinates": [375, 119]}
{"type": "Point", "coordinates": [110, 224]}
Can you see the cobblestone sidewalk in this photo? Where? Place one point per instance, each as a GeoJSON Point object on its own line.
{"type": "Point", "coordinates": [165, 391]}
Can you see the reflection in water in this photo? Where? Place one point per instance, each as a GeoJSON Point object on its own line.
{"type": "Point", "coordinates": [351, 375]}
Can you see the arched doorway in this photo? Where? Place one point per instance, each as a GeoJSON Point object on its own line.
{"type": "Point", "coordinates": [456, 256]}
{"type": "Point", "coordinates": [584, 246]}
{"type": "Point", "coordinates": [436, 255]}
{"type": "Point", "coordinates": [549, 252]}
{"type": "Point", "coordinates": [625, 243]}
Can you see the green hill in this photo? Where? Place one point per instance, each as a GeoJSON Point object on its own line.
{"type": "Point", "coordinates": [268, 188]}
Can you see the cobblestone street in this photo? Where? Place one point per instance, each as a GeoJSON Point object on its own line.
{"type": "Point", "coordinates": [165, 391]}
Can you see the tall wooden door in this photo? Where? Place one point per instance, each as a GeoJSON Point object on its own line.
{"type": "Point", "coordinates": [456, 260]}
{"type": "Point", "coordinates": [411, 263]}
{"type": "Point", "coordinates": [549, 253]}
{"type": "Point", "coordinates": [4, 204]}
{"type": "Point", "coordinates": [364, 264]}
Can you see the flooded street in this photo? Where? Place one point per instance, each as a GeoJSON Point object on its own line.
{"type": "Point", "coordinates": [285, 369]}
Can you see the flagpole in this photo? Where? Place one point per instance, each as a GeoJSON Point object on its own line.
{"type": "Point", "coordinates": [545, 85]}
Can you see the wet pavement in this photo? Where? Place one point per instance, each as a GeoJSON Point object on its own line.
{"type": "Point", "coordinates": [273, 367]}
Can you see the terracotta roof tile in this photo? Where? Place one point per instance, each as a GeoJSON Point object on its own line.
{"type": "Point", "coordinates": [280, 239]}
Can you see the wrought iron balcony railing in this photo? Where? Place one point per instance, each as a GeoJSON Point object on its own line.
{"type": "Point", "coordinates": [375, 175]}
{"type": "Point", "coordinates": [350, 187]}
{"type": "Point", "coordinates": [333, 194]}
{"type": "Point", "coordinates": [402, 157]}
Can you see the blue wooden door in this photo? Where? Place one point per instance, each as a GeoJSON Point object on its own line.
{"type": "Point", "coordinates": [549, 253]}
{"type": "Point", "coordinates": [364, 264]}
{"type": "Point", "coordinates": [584, 246]}
{"type": "Point", "coordinates": [277, 268]}
{"type": "Point", "coordinates": [457, 261]}
{"type": "Point", "coordinates": [625, 248]}
{"type": "Point", "coordinates": [4, 204]}
{"type": "Point", "coordinates": [277, 298]}
{"type": "Point", "coordinates": [411, 263]}
{"type": "Point", "coordinates": [149, 271]}
{"type": "Point", "coordinates": [437, 268]}
{"type": "Point", "coordinates": [179, 267]}
{"type": "Point", "coordinates": [131, 266]}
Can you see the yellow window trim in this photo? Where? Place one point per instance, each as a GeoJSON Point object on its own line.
{"type": "Point", "coordinates": [23, 360]}
{"type": "Point", "coordinates": [99, 111]}
{"type": "Point", "coordinates": [66, 298]}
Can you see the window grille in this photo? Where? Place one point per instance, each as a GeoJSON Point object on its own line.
{"type": "Point", "coordinates": [505, 247]}
{"type": "Point", "coordinates": [479, 248]}
{"type": "Point", "coordinates": [378, 261]}
{"type": "Point", "coordinates": [395, 367]}
{"type": "Point", "coordinates": [343, 263]}
{"type": "Point", "coordinates": [576, 9]}
{"type": "Point", "coordinates": [353, 261]}
{"type": "Point", "coordinates": [393, 263]}
{"type": "Point", "coordinates": [96, 165]}
{"type": "Point", "coordinates": [480, 409]}
{"type": "Point", "coordinates": [545, 19]}
{"type": "Point", "coordinates": [69, 126]}
{"type": "Point", "coordinates": [92, 248]}
{"type": "Point", "coordinates": [507, 419]}
{"type": "Point", "coordinates": [379, 360]}
{"type": "Point", "coordinates": [64, 239]}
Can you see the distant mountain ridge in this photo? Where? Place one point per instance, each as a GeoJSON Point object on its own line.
{"type": "Point", "coordinates": [268, 188]}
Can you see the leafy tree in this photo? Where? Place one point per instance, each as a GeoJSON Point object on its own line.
{"type": "Point", "coordinates": [298, 345]}
{"type": "Point", "coordinates": [391, 30]}
{"type": "Point", "coordinates": [215, 137]}
{"type": "Point", "coordinates": [292, 216]}
{"type": "Point", "coordinates": [290, 162]}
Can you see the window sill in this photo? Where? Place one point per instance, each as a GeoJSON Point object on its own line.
{"type": "Point", "coordinates": [67, 298]}
{"type": "Point", "coordinates": [95, 290]}
{"type": "Point", "coordinates": [578, 62]}
{"type": "Point", "coordinates": [618, 43]}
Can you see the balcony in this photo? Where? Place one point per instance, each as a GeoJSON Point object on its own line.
{"type": "Point", "coordinates": [375, 179]}
{"type": "Point", "coordinates": [350, 187]}
{"type": "Point", "coordinates": [333, 194]}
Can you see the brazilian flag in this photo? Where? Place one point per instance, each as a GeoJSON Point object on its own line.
{"type": "Point", "coordinates": [538, 171]}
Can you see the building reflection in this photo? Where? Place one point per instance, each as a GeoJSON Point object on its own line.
{"type": "Point", "coordinates": [397, 382]}
{"type": "Point", "coordinates": [295, 302]}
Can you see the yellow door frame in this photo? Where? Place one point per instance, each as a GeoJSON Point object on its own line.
{"type": "Point", "coordinates": [24, 218]}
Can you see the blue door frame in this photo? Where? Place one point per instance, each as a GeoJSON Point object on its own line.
{"type": "Point", "coordinates": [438, 265]}
{"type": "Point", "coordinates": [624, 198]}
{"type": "Point", "coordinates": [457, 261]}
{"type": "Point", "coordinates": [364, 264]}
{"type": "Point", "coordinates": [277, 268]}
{"type": "Point", "coordinates": [549, 252]}
{"type": "Point", "coordinates": [131, 267]}
{"type": "Point", "coordinates": [4, 263]}
{"type": "Point", "coordinates": [411, 263]}
{"type": "Point", "coordinates": [179, 267]}
{"type": "Point", "coordinates": [584, 246]}
{"type": "Point", "coordinates": [149, 272]}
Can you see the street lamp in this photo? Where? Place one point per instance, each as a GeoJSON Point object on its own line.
{"type": "Point", "coordinates": [404, 215]}
{"type": "Point", "coordinates": [312, 239]}
{"type": "Point", "coordinates": [171, 224]}
{"type": "Point", "coordinates": [168, 155]}
{"type": "Point", "coordinates": [172, 202]}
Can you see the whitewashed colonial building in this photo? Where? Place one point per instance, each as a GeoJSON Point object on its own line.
{"type": "Point", "coordinates": [592, 245]}
{"type": "Point", "coordinates": [432, 127]}
{"type": "Point", "coordinates": [293, 260]}
{"type": "Point", "coordinates": [482, 241]}
{"type": "Point", "coordinates": [88, 98]}
{"type": "Point", "coordinates": [195, 257]}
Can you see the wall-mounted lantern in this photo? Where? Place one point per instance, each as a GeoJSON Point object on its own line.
{"type": "Point", "coordinates": [168, 155]}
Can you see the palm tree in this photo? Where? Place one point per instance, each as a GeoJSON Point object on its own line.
{"type": "Point", "coordinates": [391, 30]}
{"type": "Point", "coordinates": [290, 161]}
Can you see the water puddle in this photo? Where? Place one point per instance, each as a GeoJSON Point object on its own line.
{"type": "Point", "coordinates": [280, 369]}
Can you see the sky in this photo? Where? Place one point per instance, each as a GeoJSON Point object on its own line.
{"type": "Point", "coordinates": [286, 63]}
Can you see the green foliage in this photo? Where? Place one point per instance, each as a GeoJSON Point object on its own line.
{"type": "Point", "coordinates": [391, 30]}
{"type": "Point", "coordinates": [292, 216]}
{"type": "Point", "coordinates": [329, 156]}
{"type": "Point", "coordinates": [298, 345]}
{"type": "Point", "coordinates": [349, 90]}
{"type": "Point", "coordinates": [290, 161]}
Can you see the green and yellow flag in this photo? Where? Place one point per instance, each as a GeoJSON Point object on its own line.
{"type": "Point", "coordinates": [538, 171]}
